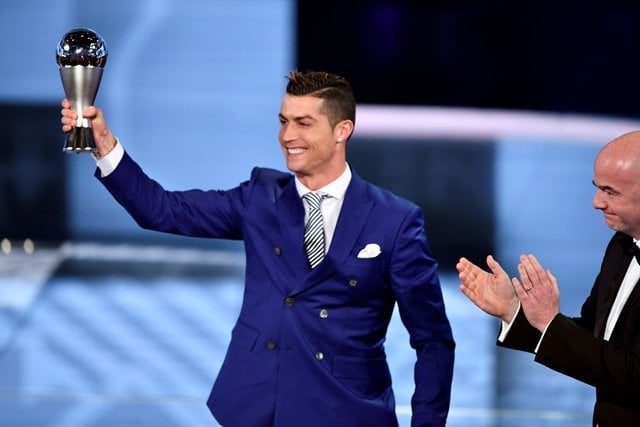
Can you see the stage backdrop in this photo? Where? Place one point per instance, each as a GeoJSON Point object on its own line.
{"type": "Point", "coordinates": [191, 88]}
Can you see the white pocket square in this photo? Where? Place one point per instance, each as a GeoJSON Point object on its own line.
{"type": "Point", "coordinates": [372, 250]}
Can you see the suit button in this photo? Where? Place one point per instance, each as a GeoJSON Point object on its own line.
{"type": "Point", "coordinates": [271, 345]}
{"type": "Point", "coordinates": [289, 301]}
{"type": "Point", "coordinates": [353, 282]}
{"type": "Point", "coordinates": [324, 313]}
{"type": "Point", "coordinates": [319, 355]}
{"type": "Point", "coordinates": [277, 250]}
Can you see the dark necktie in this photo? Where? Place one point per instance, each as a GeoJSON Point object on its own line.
{"type": "Point", "coordinates": [314, 229]}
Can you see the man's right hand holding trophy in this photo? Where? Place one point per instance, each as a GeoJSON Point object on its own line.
{"type": "Point", "coordinates": [81, 55]}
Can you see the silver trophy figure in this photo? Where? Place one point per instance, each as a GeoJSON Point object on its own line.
{"type": "Point", "coordinates": [81, 56]}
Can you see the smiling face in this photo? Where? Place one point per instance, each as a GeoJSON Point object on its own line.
{"type": "Point", "coordinates": [617, 181]}
{"type": "Point", "coordinates": [313, 149]}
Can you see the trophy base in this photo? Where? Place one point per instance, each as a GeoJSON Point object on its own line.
{"type": "Point", "coordinates": [80, 140]}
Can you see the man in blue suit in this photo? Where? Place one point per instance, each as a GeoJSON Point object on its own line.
{"type": "Point", "coordinates": [307, 349]}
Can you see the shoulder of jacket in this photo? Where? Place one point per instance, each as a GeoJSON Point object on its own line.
{"type": "Point", "coordinates": [389, 198]}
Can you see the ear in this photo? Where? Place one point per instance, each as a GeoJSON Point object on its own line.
{"type": "Point", "coordinates": [342, 131]}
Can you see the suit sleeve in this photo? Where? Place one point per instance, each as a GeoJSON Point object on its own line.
{"type": "Point", "coordinates": [574, 347]}
{"type": "Point", "coordinates": [572, 350]}
{"type": "Point", "coordinates": [522, 336]}
{"type": "Point", "coordinates": [570, 347]}
{"type": "Point", "coordinates": [419, 296]}
{"type": "Point", "coordinates": [189, 213]}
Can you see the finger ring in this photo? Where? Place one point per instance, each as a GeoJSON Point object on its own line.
{"type": "Point", "coordinates": [528, 289]}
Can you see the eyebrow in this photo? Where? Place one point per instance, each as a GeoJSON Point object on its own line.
{"type": "Point", "coordinates": [605, 187]}
{"type": "Point", "coordinates": [298, 118]}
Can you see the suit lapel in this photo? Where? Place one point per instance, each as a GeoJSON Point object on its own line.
{"type": "Point", "coordinates": [290, 214]}
{"type": "Point", "coordinates": [629, 308]}
{"type": "Point", "coordinates": [611, 282]}
{"type": "Point", "coordinates": [353, 215]}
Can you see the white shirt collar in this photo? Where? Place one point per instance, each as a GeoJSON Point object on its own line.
{"type": "Point", "coordinates": [335, 188]}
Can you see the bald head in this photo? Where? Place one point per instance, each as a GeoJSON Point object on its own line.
{"type": "Point", "coordinates": [617, 179]}
{"type": "Point", "coordinates": [623, 153]}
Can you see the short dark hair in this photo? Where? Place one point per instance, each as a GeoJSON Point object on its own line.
{"type": "Point", "coordinates": [339, 102]}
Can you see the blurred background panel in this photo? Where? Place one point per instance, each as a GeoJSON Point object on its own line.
{"type": "Point", "coordinates": [190, 84]}
{"type": "Point", "coordinates": [488, 115]}
{"type": "Point", "coordinates": [32, 173]}
{"type": "Point", "coordinates": [573, 56]}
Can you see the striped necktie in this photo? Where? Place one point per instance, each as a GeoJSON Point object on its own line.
{"type": "Point", "coordinates": [314, 229]}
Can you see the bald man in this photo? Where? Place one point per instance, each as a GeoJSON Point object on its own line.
{"type": "Point", "coordinates": [601, 347]}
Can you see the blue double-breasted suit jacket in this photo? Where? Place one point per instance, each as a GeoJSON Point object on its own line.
{"type": "Point", "coordinates": [307, 348]}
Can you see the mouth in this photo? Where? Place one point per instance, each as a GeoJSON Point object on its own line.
{"type": "Point", "coordinates": [295, 151]}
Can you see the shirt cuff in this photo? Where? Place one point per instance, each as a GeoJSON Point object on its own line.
{"type": "Point", "coordinates": [506, 327]}
{"type": "Point", "coordinates": [110, 162]}
{"type": "Point", "coordinates": [542, 337]}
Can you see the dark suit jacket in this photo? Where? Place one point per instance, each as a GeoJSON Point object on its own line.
{"type": "Point", "coordinates": [307, 348]}
{"type": "Point", "coordinates": [575, 346]}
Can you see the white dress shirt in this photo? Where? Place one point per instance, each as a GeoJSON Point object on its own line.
{"type": "Point", "coordinates": [331, 206]}
{"type": "Point", "coordinates": [631, 277]}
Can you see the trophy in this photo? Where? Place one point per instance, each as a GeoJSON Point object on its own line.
{"type": "Point", "coordinates": [81, 55]}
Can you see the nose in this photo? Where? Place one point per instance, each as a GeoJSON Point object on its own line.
{"type": "Point", "coordinates": [598, 200]}
{"type": "Point", "coordinates": [287, 133]}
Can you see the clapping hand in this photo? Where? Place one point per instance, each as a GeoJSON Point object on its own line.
{"type": "Point", "coordinates": [491, 291]}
